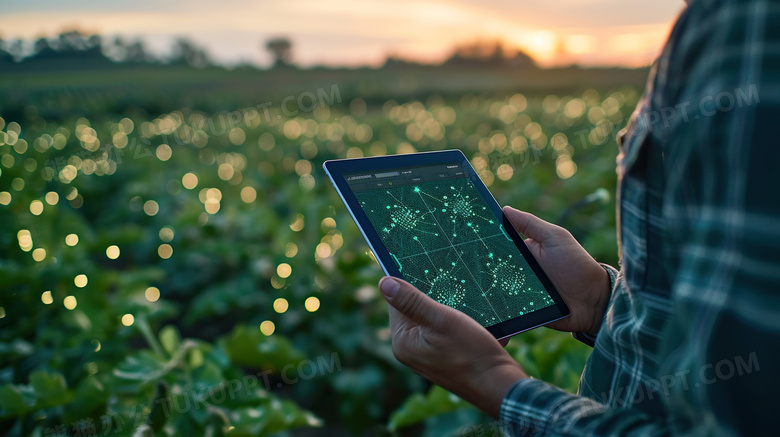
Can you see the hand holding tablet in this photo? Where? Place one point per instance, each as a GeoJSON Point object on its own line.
{"type": "Point", "coordinates": [430, 220]}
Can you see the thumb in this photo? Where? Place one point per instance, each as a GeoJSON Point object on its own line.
{"type": "Point", "coordinates": [529, 225]}
{"type": "Point", "coordinates": [411, 302]}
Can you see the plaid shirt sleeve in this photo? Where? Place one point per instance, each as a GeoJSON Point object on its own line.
{"type": "Point", "coordinates": [690, 341]}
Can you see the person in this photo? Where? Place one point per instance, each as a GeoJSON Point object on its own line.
{"type": "Point", "coordinates": [686, 336]}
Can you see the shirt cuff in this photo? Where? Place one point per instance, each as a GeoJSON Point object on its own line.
{"type": "Point", "coordinates": [533, 407]}
{"type": "Point", "coordinates": [584, 337]}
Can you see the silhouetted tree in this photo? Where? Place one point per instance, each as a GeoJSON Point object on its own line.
{"type": "Point", "coordinates": [41, 44]}
{"type": "Point", "coordinates": [115, 49]}
{"type": "Point", "coordinates": [95, 41]}
{"type": "Point", "coordinates": [136, 52]}
{"type": "Point", "coordinates": [72, 40]}
{"type": "Point", "coordinates": [16, 49]}
{"type": "Point", "coordinates": [69, 45]}
{"type": "Point", "coordinates": [5, 57]}
{"type": "Point", "coordinates": [488, 54]}
{"type": "Point", "coordinates": [281, 49]}
{"type": "Point", "coordinates": [520, 59]}
{"type": "Point", "coordinates": [186, 52]}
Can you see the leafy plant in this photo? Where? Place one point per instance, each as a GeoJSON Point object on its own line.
{"type": "Point", "coordinates": [193, 272]}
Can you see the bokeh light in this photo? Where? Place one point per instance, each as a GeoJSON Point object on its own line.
{"type": "Point", "coordinates": [312, 304]}
{"type": "Point", "coordinates": [323, 250]}
{"type": "Point", "coordinates": [189, 181]}
{"type": "Point", "coordinates": [128, 320]}
{"type": "Point", "coordinates": [72, 194]}
{"type": "Point", "coordinates": [565, 167]}
{"type": "Point", "coordinates": [72, 240]}
{"type": "Point", "coordinates": [36, 207]}
{"type": "Point", "coordinates": [267, 327]}
{"type": "Point", "coordinates": [164, 152]}
{"type": "Point", "coordinates": [81, 280]}
{"type": "Point", "coordinates": [505, 172]}
{"type": "Point", "coordinates": [52, 198]}
{"type": "Point", "coordinates": [17, 183]}
{"type": "Point", "coordinates": [39, 254]}
{"type": "Point", "coordinates": [277, 282]}
{"type": "Point", "coordinates": [166, 234]}
{"type": "Point", "coordinates": [152, 294]}
{"type": "Point", "coordinates": [165, 251]}
{"type": "Point", "coordinates": [248, 194]}
{"type": "Point", "coordinates": [70, 302]}
{"type": "Point", "coordinates": [112, 252]}
{"type": "Point", "coordinates": [212, 205]}
{"type": "Point", "coordinates": [328, 223]}
{"type": "Point", "coordinates": [284, 270]}
{"type": "Point", "coordinates": [281, 305]}
{"type": "Point", "coordinates": [151, 208]}
{"type": "Point", "coordinates": [297, 224]}
{"type": "Point", "coordinates": [25, 240]}
{"type": "Point", "coordinates": [291, 250]}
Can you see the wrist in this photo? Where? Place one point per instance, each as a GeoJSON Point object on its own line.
{"type": "Point", "coordinates": [487, 389]}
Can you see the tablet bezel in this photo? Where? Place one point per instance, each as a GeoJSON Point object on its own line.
{"type": "Point", "coordinates": [337, 168]}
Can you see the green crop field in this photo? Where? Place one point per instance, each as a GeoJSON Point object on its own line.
{"type": "Point", "coordinates": [175, 262]}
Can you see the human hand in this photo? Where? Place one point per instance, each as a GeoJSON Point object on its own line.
{"type": "Point", "coordinates": [581, 281]}
{"type": "Point", "coordinates": [448, 347]}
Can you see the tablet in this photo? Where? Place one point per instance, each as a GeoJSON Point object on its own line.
{"type": "Point", "coordinates": [429, 219]}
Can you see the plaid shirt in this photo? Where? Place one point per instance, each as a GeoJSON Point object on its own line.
{"type": "Point", "coordinates": [690, 342]}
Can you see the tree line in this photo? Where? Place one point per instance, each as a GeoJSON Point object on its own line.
{"type": "Point", "coordinates": [78, 48]}
{"type": "Point", "coordinates": [74, 45]}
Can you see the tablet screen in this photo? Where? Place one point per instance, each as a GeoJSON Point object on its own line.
{"type": "Point", "coordinates": [447, 242]}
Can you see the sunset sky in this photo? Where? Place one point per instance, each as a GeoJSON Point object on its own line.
{"type": "Point", "coordinates": [364, 32]}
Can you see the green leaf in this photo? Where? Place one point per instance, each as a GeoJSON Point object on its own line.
{"type": "Point", "coordinates": [244, 392]}
{"type": "Point", "coordinates": [186, 425]}
{"type": "Point", "coordinates": [50, 389]}
{"type": "Point", "coordinates": [418, 407]}
{"type": "Point", "coordinates": [273, 417]}
{"type": "Point", "coordinates": [11, 400]}
{"type": "Point", "coordinates": [143, 366]}
{"type": "Point", "coordinates": [146, 366]}
{"type": "Point", "coordinates": [88, 400]}
{"type": "Point", "coordinates": [249, 347]}
{"type": "Point", "coordinates": [195, 359]}
{"type": "Point", "coordinates": [207, 375]}
{"type": "Point", "coordinates": [170, 339]}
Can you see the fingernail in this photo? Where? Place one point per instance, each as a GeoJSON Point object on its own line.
{"type": "Point", "coordinates": [389, 286]}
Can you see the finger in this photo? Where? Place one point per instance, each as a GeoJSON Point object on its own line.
{"type": "Point", "coordinates": [534, 247]}
{"type": "Point", "coordinates": [411, 302]}
{"type": "Point", "coordinates": [529, 225]}
{"type": "Point", "coordinates": [398, 321]}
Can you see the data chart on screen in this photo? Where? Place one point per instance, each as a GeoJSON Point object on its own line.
{"type": "Point", "coordinates": [447, 242]}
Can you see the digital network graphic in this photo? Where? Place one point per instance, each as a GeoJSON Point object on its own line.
{"type": "Point", "coordinates": [449, 244]}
